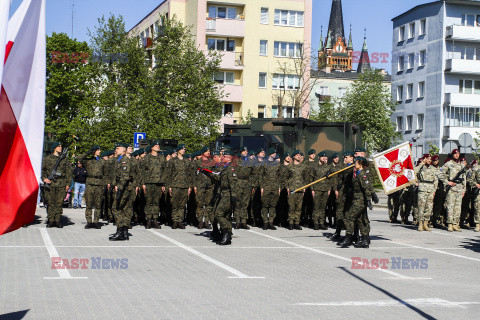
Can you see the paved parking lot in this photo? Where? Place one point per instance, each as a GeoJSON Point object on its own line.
{"type": "Point", "coordinates": [282, 274]}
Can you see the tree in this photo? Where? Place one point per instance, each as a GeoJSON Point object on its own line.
{"type": "Point", "coordinates": [369, 103]}
{"type": "Point", "coordinates": [327, 112]}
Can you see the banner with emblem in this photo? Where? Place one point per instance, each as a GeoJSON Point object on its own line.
{"type": "Point", "coordinates": [395, 168]}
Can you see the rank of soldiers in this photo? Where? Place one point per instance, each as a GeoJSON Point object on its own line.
{"type": "Point", "coordinates": [210, 189]}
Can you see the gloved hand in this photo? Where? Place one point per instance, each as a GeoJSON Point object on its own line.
{"type": "Point", "coordinates": [375, 197]}
{"type": "Point", "coordinates": [369, 205]}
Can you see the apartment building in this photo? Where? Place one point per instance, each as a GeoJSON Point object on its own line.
{"type": "Point", "coordinates": [436, 75]}
{"type": "Point", "coordinates": [255, 38]}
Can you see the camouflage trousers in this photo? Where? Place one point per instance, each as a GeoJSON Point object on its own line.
{"type": "Point", "coordinates": [123, 207]}
{"type": "Point", "coordinates": [295, 207]}
{"type": "Point", "coordinates": [393, 203]}
{"type": "Point", "coordinates": [204, 197]}
{"type": "Point", "coordinates": [241, 209]}
{"type": "Point", "coordinates": [340, 202]}
{"type": "Point", "coordinates": [357, 215]}
{"type": "Point", "coordinates": [425, 205]}
{"type": "Point", "coordinates": [269, 203]}
{"type": "Point", "coordinates": [153, 194]}
{"type": "Point", "coordinates": [320, 202]}
{"type": "Point", "coordinates": [476, 216]}
{"type": "Point", "coordinates": [453, 203]}
{"type": "Point", "coordinates": [93, 198]}
{"type": "Point", "coordinates": [223, 211]}
{"type": "Point", "coordinates": [54, 198]}
{"type": "Point", "coordinates": [178, 200]}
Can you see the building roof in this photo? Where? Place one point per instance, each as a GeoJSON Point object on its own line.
{"type": "Point", "coordinates": [364, 63]}
{"type": "Point", "coordinates": [341, 75]}
{"type": "Point", "coordinates": [335, 26]}
{"type": "Point", "coordinates": [148, 15]}
{"type": "Point", "coordinates": [467, 2]}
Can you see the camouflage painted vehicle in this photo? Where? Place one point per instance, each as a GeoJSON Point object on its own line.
{"type": "Point", "coordinates": [286, 135]}
{"type": "Point", "coordinates": [165, 144]}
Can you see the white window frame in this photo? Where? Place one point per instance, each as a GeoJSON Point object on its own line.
{"type": "Point", "coordinates": [423, 27]}
{"type": "Point", "coordinates": [399, 93]}
{"type": "Point", "coordinates": [227, 8]}
{"type": "Point", "coordinates": [410, 61]}
{"type": "Point", "coordinates": [421, 58]}
{"type": "Point", "coordinates": [399, 124]}
{"type": "Point", "coordinates": [224, 111]}
{"type": "Point", "coordinates": [421, 89]}
{"type": "Point", "coordinates": [225, 77]}
{"type": "Point", "coordinates": [260, 107]}
{"type": "Point", "coordinates": [409, 123]}
{"type": "Point", "coordinates": [263, 15]}
{"type": "Point", "coordinates": [285, 82]}
{"type": "Point", "coordinates": [409, 91]}
{"type": "Point", "coordinates": [411, 30]}
{"type": "Point", "coordinates": [401, 64]}
{"type": "Point", "coordinates": [285, 17]}
{"type": "Point", "coordinates": [225, 40]}
{"type": "Point", "coordinates": [324, 90]}
{"type": "Point", "coordinates": [264, 74]}
{"type": "Point", "coordinates": [342, 91]}
{"type": "Point", "coordinates": [401, 34]}
{"type": "Point", "coordinates": [420, 121]}
{"type": "Point", "coordinates": [266, 48]}
{"type": "Point", "coordinates": [465, 20]}
{"type": "Point", "coordinates": [280, 46]}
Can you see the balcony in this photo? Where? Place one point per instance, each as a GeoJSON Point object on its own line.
{"type": "Point", "coordinates": [464, 33]}
{"type": "Point", "coordinates": [463, 66]}
{"type": "Point", "coordinates": [232, 60]}
{"type": "Point", "coordinates": [462, 99]}
{"type": "Point", "coordinates": [234, 28]}
{"type": "Point", "coordinates": [232, 92]}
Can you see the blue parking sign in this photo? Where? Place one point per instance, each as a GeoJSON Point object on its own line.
{"type": "Point", "coordinates": [136, 139]}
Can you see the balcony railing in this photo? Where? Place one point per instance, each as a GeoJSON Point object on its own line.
{"type": "Point", "coordinates": [226, 27]}
{"type": "Point", "coordinates": [466, 33]}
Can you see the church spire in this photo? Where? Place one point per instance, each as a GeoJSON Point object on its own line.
{"type": "Point", "coordinates": [329, 41]}
{"type": "Point", "coordinates": [335, 26]}
{"type": "Point", "coordinates": [364, 63]}
{"type": "Point", "coordinates": [350, 41]}
{"type": "Point", "coordinates": [321, 40]}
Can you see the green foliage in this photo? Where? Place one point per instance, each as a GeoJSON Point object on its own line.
{"type": "Point", "coordinates": [433, 149]}
{"type": "Point", "coordinates": [248, 118]}
{"type": "Point", "coordinates": [327, 112]}
{"type": "Point", "coordinates": [369, 103]}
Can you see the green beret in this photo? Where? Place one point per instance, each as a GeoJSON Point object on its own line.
{"type": "Point", "coordinates": [121, 144]}
{"type": "Point", "coordinates": [259, 150]}
{"type": "Point", "coordinates": [216, 153]}
{"type": "Point", "coordinates": [360, 159]}
{"type": "Point", "coordinates": [203, 150]}
{"type": "Point", "coordinates": [155, 142]}
{"type": "Point", "coordinates": [286, 154]}
{"type": "Point", "coordinates": [228, 153]}
{"type": "Point", "coordinates": [187, 155]}
{"type": "Point", "coordinates": [104, 154]}
{"type": "Point", "coordinates": [359, 150]}
{"type": "Point", "coordinates": [140, 151]}
{"type": "Point", "coordinates": [163, 153]}
{"type": "Point", "coordinates": [323, 154]}
{"type": "Point", "coordinates": [335, 155]}
{"type": "Point", "coordinates": [148, 149]}
{"type": "Point", "coordinates": [312, 151]}
{"type": "Point", "coordinates": [134, 154]}
{"type": "Point", "coordinates": [169, 152]}
{"type": "Point", "coordinates": [54, 145]}
{"type": "Point", "coordinates": [348, 154]}
{"type": "Point", "coordinates": [95, 148]}
{"type": "Point", "coordinates": [244, 149]}
{"type": "Point", "coordinates": [180, 147]}
{"type": "Point", "coordinates": [270, 151]}
{"type": "Point", "coordinates": [225, 147]}
{"type": "Point", "coordinates": [296, 152]}
{"type": "Point", "coordinates": [251, 153]}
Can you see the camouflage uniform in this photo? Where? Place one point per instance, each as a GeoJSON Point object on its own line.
{"type": "Point", "coordinates": [453, 201]}
{"type": "Point", "coordinates": [268, 179]}
{"type": "Point", "coordinates": [296, 180]}
{"type": "Point", "coordinates": [361, 193]}
{"type": "Point", "coordinates": [394, 205]}
{"type": "Point", "coordinates": [153, 178]}
{"type": "Point", "coordinates": [179, 179]}
{"type": "Point", "coordinates": [427, 185]}
{"type": "Point", "coordinates": [56, 193]}
{"type": "Point", "coordinates": [97, 173]}
{"type": "Point", "coordinates": [322, 192]}
{"type": "Point", "coordinates": [474, 180]}
{"type": "Point", "coordinates": [283, 172]}
{"type": "Point", "coordinates": [204, 193]}
{"type": "Point", "coordinates": [246, 181]}
{"type": "Point", "coordinates": [123, 180]}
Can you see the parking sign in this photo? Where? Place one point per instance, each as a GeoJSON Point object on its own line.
{"type": "Point", "coordinates": [136, 138]}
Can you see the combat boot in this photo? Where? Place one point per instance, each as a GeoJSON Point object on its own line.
{"type": "Point", "coordinates": [226, 238]}
{"type": "Point", "coordinates": [58, 224]}
{"type": "Point", "coordinates": [155, 224]}
{"type": "Point", "coordinates": [347, 242]}
{"type": "Point", "coordinates": [111, 235]}
{"type": "Point", "coordinates": [174, 225]}
{"type": "Point", "coordinates": [316, 227]}
{"type": "Point", "coordinates": [265, 226]}
{"type": "Point", "coordinates": [181, 225]}
{"type": "Point", "coordinates": [450, 228]}
{"type": "Point", "coordinates": [363, 243]}
{"type": "Point", "coordinates": [238, 225]}
{"type": "Point", "coordinates": [456, 228]}
{"type": "Point", "coordinates": [149, 224]}
{"type": "Point", "coordinates": [297, 227]}
{"type": "Point", "coordinates": [420, 226]}
{"type": "Point", "coordinates": [125, 233]}
{"type": "Point", "coordinates": [290, 226]}
{"type": "Point", "coordinates": [97, 225]}
{"type": "Point", "coordinates": [425, 226]}
{"type": "Point", "coordinates": [88, 225]}
{"type": "Point", "coordinates": [323, 226]}
{"type": "Point", "coordinates": [207, 226]}
{"type": "Point", "coordinates": [271, 226]}
{"type": "Point", "coordinates": [50, 224]}
{"type": "Point", "coordinates": [245, 226]}
{"type": "Point", "coordinates": [215, 235]}
{"type": "Point", "coordinates": [477, 227]}
{"type": "Point", "coordinates": [200, 225]}
{"type": "Point", "coordinates": [117, 236]}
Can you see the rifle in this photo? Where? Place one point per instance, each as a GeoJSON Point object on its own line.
{"type": "Point", "coordinates": [457, 178]}
{"type": "Point", "coordinates": [55, 174]}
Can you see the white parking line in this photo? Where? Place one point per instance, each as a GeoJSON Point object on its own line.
{"type": "Point", "coordinates": [397, 275]}
{"type": "Point", "coordinates": [453, 235]}
{"type": "Point", "coordinates": [427, 302]}
{"type": "Point", "coordinates": [238, 274]}
{"type": "Point", "coordinates": [52, 251]}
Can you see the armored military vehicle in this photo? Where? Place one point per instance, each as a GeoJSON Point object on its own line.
{"type": "Point", "coordinates": [286, 135]}
{"type": "Point", "coordinates": [165, 144]}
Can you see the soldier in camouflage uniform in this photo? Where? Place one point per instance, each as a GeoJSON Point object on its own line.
{"type": "Point", "coordinates": [57, 189]}
{"type": "Point", "coordinates": [475, 183]}
{"type": "Point", "coordinates": [438, 202]}
{"type": "Point", "coordinates": [393, 203]}
{"type": "Point", "coordinates": [321, 191]}
{"type": "Point", "coordinates": [427, 176]}
{"type": "Point", "coordinates": [96, 173]}
{"type": "Point", "coordinates": [454, 197]}
{"type": "Point", "coordinates": [179, 180]}
{"type": "Point", "coordinates": [123, 183]}
{"type": "Point", "coordinates": [153, 184]}
{"type": "Point", "coordinates": [296, 179]}
{"type": "Point", "coordinates": [269, 191]}
{"type": "Point", "coordinates": [283, 176]}
{"type": "Point", "coordinates": [245, 182]}
{"type": "Point", "coordinates": [204, 187]}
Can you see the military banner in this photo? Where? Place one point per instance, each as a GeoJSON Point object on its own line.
{"type": "Point", "coordinates": [395, 168]}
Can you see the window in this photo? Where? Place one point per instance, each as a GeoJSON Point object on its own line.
{"type": "Point", "coordinates": [469, 53]}
{"type": "Point", "coordinates": [420, 118]}
{"type": "Point", "coordinates": [461, 116]}
{"type": "Point", "coordinates": [401, 34]}
{"type": "Point", "coordinates": [261, 111]}
{"type": "Point", "coordinates": [411, 58]}
{"type": "Point", "coordinates": [323, 91]}
{"type": "Point", "coordinates": [423, 27]}
{"type": "Point", "coordinates": [410, 91]}
{"type": "Point", "coordinates": [399, 93]}
{"type": "Point", "coordinates": [221, 44]}
{"type": "Point", "coordinates": [262, 80]}
{"type": "Point", "coordinates": [287, 49]}
{"type": "Point", "coordinates": [227, 109]}
{"type": "Point", "coordinates": [288, 18]}
{"type": "Point", "coordinates": [264, 16]}
{"type": "Point", "coordinates": [477, 87]}
{"type": "Point", "coordinates": [224, 77]}
{"type": "Point", "coordinates": [421, 60]}
{"type": "Point", "coordinates": [408, 125]}
{"type": "Point", "coordinates": [411, 30]}
{"type": "Point", "coordinates": [421, 89]}
{"type": "Point", "coordinates": [469, 87]}
{"type": "Point", "coordinates": [399, 124]}
{"type": "Point", "coordinates": [274, 111]}
{"type": "Point", "coordinates": [342, 92]}
{"type": "Point", "coordinates": [468, 20]}
{"type": "Point", "coordinates": [291, 81]}
{"type": "Point", "coordinates": [401, 63]}
{"type": "Point", "coordinates": [222, 12]}
{"type": "Point", "coordinates": [263, 47]}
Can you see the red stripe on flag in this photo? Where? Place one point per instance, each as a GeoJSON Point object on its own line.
{"type": "Point", "coordinates": [401, 180]}
{"type": "Point", "coordinates": [18, 184]}
{"type": "Point", "coordinates": [392, 156]}
{"type": "Point", "coordinates": [385, 173]}
{"type": "Point", "coordinates": [407, 164]}
{"type": "Point", "coordinates": [7, 50]}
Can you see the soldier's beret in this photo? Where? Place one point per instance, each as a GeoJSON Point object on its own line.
{"type": "Point", "coordinates": [260, 150]}
{"type": "Point", "coordinates": [121, 144]}
{"type": "Point", "coordinates": [435, 158]}
{"type": "Point", "coordinates": [251, 152]}
{"type": "Point", "coordinates": [134, 154]}
{"type": "Point", "coordinates": [312, 151]}
{"type": "Point", "coordinates": [155, 142]}
{"type": "Point", "coordinates": [455, 151]}
{"type": "Point", "coordinates": [271, 151]}
{"type": "Point", "coordinates": [204, 149]}
{"type": "Point", "coordinates": [54, 145]}
{"type": "Point", "coordinates": [226, 147]}
{"type": "Point", "coordinates": [169, 152]}
{"type": "Point", "coordinates": [180, 147]}
{"type": "Point", "coordinates": [228, 153]}
{"type": "Point", "coordinates": [195, 154]}
{"type": "Point", "coordinates": [140, 151]}
{"type": "Point", "coordinates": [323, 154]}
{"type": "Point", "coordinates": [463, 159]}
{"type": "Point", "coordinates": [426, 155]}
{"type": "Point", "coordinates": [148, 149]}
{"type": "Point", "coordinates": [104, 154]}
{"type": "Point", "coordinates": [335, 155]}
{"type": "Point", "coordinates": [294, 153]}
{"type": "Point", "coordinates": [244, 149]}
{"type": "Point", "coordinates": [286, 154]}
{"type": "Point", "coordinates": [187, 155]}
{"type": "Point", "coordinates": [360, 149]}
{"type": "Point", "coordinates": [360, 159]}
{"type": "Point", "coordinates": [95, 148]}
{"type": "Point", "coordinates": [348, 154]}
{"type": "Point", "coordinates": [216, 153]}
{"type": "Point", "coordinates": [110, 153]}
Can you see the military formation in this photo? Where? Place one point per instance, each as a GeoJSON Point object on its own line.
{"type": "Point", "coordinates": [446, 196]}
{"type": "Point", "coordinates": [218, 190]}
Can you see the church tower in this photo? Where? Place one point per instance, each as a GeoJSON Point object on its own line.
{"type": "Point", "coordinates": [334, 52]}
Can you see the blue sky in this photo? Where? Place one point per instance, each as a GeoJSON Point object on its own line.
{"type": "Point", "coordinates": [375, 15]}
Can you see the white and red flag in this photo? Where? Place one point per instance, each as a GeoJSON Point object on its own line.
{"type": "Point", "coordinates": [395, 168]}
{"type": "Point", "coordinates": [22, 113]}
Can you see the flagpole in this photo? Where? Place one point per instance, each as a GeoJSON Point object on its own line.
{"type": "Point", "coordinates": [319, 180]}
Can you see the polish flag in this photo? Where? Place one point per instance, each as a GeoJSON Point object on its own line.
{"type": "Point", "coordinates": [22, 113]}
{"type": "Point", "coordinates": [395, 168]}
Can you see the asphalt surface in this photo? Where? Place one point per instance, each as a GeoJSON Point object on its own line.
{"type": "Point", "coordinates": [282, 274]}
